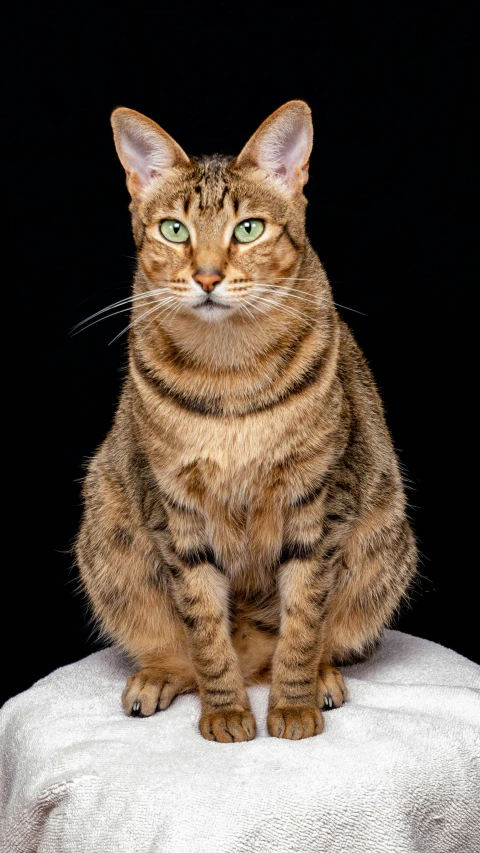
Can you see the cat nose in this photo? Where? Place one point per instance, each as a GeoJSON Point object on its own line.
{"type": "Point", "coordinates": [207, 281]}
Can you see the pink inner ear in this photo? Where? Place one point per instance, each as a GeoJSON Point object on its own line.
{"type": "Point", "coordinates": [145, 154]}
{"type": "Point", "coordinates": [285, 148]}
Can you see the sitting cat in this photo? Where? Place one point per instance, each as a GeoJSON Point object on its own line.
{"type": "Point", "coordinates": [245, 517]}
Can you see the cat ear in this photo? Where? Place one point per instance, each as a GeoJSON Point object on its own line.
{"type": "Point", "coordinates": [282, 145]}
{"type": "Point", "coordinates": [145, 150]}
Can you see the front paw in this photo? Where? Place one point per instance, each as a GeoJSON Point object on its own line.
{"type": "Point", "coordinates": [294, 722]}
{"type": "Point", "coordinates": [228, 725]}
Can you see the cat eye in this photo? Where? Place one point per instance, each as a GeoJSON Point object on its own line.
{"type": "Point", "coordinates": [249, 230]}
{"type": "Point", "coordinates": [174, 231]}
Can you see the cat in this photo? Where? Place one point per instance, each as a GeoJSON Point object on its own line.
{"type": "Point", "coordinates": [245, 518]}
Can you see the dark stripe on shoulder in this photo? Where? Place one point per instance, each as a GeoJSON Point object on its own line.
{"type": "Point", "coordinates": [298, 551]}
{"type": "Point", "coordinates": [304, 381]}
{"type": "Point", "coordinates": [313, 492]}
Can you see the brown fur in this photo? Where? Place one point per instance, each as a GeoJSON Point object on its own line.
{"type": "Point", "coordinates": [245, 517]}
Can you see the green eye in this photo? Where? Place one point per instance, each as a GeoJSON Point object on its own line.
{"type": "Point", "coordinates": [249, 230]}
{"type": "Point", "coordinates": [174, 231]}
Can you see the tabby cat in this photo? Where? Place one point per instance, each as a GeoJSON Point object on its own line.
{"type": "Point", "coordinates": [245, 517]}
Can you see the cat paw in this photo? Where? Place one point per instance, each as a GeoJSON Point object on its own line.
{"type": "Point", "coordinates": [331, 689]}
{"type": "Point", "coordinates": [295, 722]}
{"type": "Point", "coordinates": [230, 725]}
{"type": "Point", "coordinates": [150, 690]}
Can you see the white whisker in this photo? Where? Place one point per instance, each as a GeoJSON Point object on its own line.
{"type": "Point", "coordinates": [99, 320]}
{"type": "Point", "coordinates": [286, 308]}
{"type": "Point", "coordinates": [128, 299]}
{"type": "Point", "coordinates": [289, 295]}
{"type": "Point", "coordinates": [347, 308]}
{"type": "Point", "coordinates": [142, 316]}
{"type": "Point", "coordinates": [272, 286]}
{"type": "Point", "coordinates": [244, 305]}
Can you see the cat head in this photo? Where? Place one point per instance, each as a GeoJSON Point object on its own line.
{"type": "Point", "coordinates": [218, 236]}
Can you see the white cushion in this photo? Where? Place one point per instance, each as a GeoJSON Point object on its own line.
{"type": "Point", "coordinates": [395, 770]}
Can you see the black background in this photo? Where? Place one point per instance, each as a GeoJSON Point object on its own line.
{"type": "Point", "coordinates": [390, 206]}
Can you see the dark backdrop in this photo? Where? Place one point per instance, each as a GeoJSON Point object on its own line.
{"type": "Point", "coordinates": [389, 215]}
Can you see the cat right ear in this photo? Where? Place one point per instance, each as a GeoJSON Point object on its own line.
{"type": "Point", "coordinates": [145, 150]}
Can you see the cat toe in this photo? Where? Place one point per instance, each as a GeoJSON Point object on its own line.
{"type": "Point", "coordinates": [331, 688]}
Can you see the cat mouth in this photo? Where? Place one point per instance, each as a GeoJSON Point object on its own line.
{"type": "Point", "coordinates": [209, 304]}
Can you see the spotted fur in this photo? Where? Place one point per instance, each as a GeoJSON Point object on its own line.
{"type": "Point", "coordinates": [245, 517]}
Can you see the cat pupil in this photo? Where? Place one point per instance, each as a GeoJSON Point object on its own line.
{"type": "Point", "coordinates": [176, 227]}
{"type": "Point", "coordinates": [248, 227]}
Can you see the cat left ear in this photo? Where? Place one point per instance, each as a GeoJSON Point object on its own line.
{"type": "Point", "coordinates": [282, 146]}
{"type": "Point", "coordinates": [145, 150]}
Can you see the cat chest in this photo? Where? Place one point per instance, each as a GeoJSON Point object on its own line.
{"type": "Point", "coordinates": [230, 461]}
{"type": "Point", "coordinates": [241, 479]}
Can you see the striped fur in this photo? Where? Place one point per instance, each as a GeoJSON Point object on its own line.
{"type": "Point", "coordinates": [245, 517]}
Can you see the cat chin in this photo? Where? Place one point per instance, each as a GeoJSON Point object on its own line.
{"type": "Point", "coordinates": [212, 312]}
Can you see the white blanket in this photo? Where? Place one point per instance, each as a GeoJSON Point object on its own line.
{"type": "Point", "coordinates": [396, 769]}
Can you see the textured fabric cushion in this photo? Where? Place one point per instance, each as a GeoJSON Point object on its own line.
{"type": "Point", "coordinates": [396, 769]}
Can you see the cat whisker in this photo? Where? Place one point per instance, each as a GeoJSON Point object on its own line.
{"type": "Point", "coordinates": [288, 293]}
{"type": "Point", "coordinates": [244, 306]}
{"type": "Point", "coordinates": [272, 286]}
{"type": "Point", "coordinates": [280, 303]}
{"type": "Point", "coordinates": [76, 331]}
{"type": "Point", "coordinates": [128, 299]}
{"type": "Point", "coordinates": [173, 310]}
{"type": "Point", "coordinates": [81, 327]}
{"type": "Point", "coordinates": [156, 307]}
{"type": "Point", "coordinates": [286, 308]}
{"type": "Point", "coordinates": [294, 278]}
{"type": "Point", "coordinates": [347, 308]}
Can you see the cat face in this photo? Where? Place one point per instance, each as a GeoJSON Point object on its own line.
{"type": "Point", "coordinates": [217, 236]}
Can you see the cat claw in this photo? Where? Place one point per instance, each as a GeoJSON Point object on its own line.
{"type": "Point", "coordinates": [328, 701]}
{"type": "Point", "coordinates": [331, 690]}
{"type": "Point", "coordinates": [135, 712]}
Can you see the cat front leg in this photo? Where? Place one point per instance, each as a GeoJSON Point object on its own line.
{"type": "Point", "coordinates": [305, 585]}
{"type": "Point", "coordinates": [201, 595]}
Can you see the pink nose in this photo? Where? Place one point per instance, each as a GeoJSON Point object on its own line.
{"type": "Point", "coordinates": [207, 282]}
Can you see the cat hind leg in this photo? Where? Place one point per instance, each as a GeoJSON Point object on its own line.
{"type": "Point", "coordinates": [152, 688]}
{"type": "Point", "coordinates": [331, 688]}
